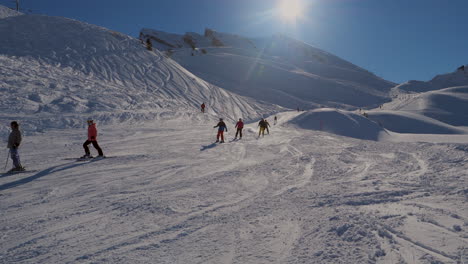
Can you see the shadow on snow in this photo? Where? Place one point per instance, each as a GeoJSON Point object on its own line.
{"type": "Point", "coordinates": [40, 174]}
{"type": "Point", "coordinates": [212, 145]}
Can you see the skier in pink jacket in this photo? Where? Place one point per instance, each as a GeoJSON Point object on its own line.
{"type": "Point", "coordinates": [239, 126]}
{"type": "Point", "coordinates": [92, 139]}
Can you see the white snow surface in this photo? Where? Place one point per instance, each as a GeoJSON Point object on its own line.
{"type": "Point", "coordinates": [324, 186]}
{"type": "Point", "coordinates": [60, 72]}
{"type": "Point", "coordinates": [166, 195]}
{"type": "Point", "coordinates": [339, 122]}
{"type": "Point", "coordinates": [8, 12]}
{"type": "Point", "coordinates": [278, 69]}
{"type": "Point", "coordinates": [443, 111]}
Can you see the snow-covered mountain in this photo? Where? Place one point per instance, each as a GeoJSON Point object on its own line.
{"type": "Point", "coordinates": [322, 186]}
{"type": "Point", "coordinates": [277, 69]}
{"type": "Point", "coordinates": [439, 106]}
{"type": "Point", "coordinates": [7, 12]}
{"type": "Point", "coordinates": [456, 78]}
{"type": "Point", "coordinates": [449, 105]}
{"type": "Point", "coordinates": [63, 71]}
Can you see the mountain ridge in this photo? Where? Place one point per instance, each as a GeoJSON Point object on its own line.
{"type": "Point", "coordinates": [109, 75]}
{"type": "Point", "coordinates": [265, 68]}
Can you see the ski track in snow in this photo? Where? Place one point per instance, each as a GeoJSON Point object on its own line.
{"type": "Point", "coordinates": [292, 196]}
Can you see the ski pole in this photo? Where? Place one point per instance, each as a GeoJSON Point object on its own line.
{"type": "Point", "coordinates": [8, 156]}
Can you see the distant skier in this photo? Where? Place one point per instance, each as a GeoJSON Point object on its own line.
{"type": "Point", "coordinates": [14, 141]}
{"type": "Point", "coordinates": [149, 45]}
{"type": "Point", "coordinates": [263, 125]}
{"type": "Point", "coordinates": [92, 139]}
{"type": "Point", "coordinates": [221, 128]}
{"type": "Point", "coordinates": [203, 107]}
{"type": "Point", "coordinates": [239, 126]}
{"type": "Point", "coordinates": [275, 120]}
{"type": "Point", "coordinates": [267, 126]}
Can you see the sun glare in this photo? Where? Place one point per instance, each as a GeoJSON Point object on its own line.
{"type": "Point", "coordinates": [290, 10]}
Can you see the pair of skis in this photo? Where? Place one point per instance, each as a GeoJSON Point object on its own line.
{"type": "Point", "coordinates": [13, 172]}
{"type": "Point", "coordinates": [88, 158]}
{"type": "Point", "coordinates": [232, 140]}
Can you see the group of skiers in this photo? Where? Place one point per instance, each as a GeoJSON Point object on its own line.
{"type": "Point", "coordinates": [15, 138]}
{"type": "Point", "coordinates": [263, 125]}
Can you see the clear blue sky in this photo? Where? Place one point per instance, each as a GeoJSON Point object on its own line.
{"type": "Point", "coordinates": [398, 40]}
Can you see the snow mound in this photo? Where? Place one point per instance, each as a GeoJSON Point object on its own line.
{"type": "Point", "coordinates": [338, 122]}
{"type": "Point", "coordinates": [457, 78]}
{"type": "Point", "coordinates": [407, 122]}
{"type": "Point", "coordinates": [449, 105]}
{"type": "Point", "coordinates": [278, 69]}
{"type": "Point", "coordinates": [8, 12]}
{"type": "Point", "coordinates": [59, 71]}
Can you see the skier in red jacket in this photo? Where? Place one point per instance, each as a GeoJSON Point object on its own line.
{"type": "Point", "coordinates": [92, 139]}
{"type": "Point", "coordinates": [239, 126]}
{"type": "Point", "coordinates": [203, 107]}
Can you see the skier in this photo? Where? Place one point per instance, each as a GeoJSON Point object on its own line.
{"type": "Point", "coordinates": [221, 127]}
{"type": "Point", "coordinates": [14, 141]}
{"type": "Point", "coordinates": [262, 126]}
{"type": "Point", "coordinates": [266, 126]}
{"type": "Point", "coordinates": [92, 138]}
{"type": "Point", "coordinates": [276, 121]}
{"type": "Point", "coordinates": [239, 126]}
{"type": "Point", "coordinates": [203, 108]}
{"type": "Point", "coordinates": [149, 45]}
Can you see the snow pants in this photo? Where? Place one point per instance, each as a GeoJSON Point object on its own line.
{"type": "Point", "coordinates": [95, 145]}
{"type": "Point", "coordinates": [15, 157]}
{"type": "Point", "coordinates": [220, 135]}
{"type": "Point", "coordinates": [261, 131]}
{"type": "Point", "coordinates": [239, 132]}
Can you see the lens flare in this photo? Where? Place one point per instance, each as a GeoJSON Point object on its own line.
{"type": "Point", "coordinates": [290, 10]}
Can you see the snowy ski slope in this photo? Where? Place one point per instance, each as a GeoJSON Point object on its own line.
{"type": "Point", "coordinates": [167, 195]}
{"type": "Point", "coordinates": [325, 186]}
{"type": "Point", "coordinates": [61, 71]}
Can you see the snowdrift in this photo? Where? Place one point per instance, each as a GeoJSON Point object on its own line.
{"type": "Point", "coordinates": [63, 71]}
{"type": "Point", "coordinates": [448, 105]}
{"type": "Point", "coordinates": [338, 122]}
{"type": "Point", "coordinates": [406, 122]}
{"type": "Point", "coordinates": [277, 69]}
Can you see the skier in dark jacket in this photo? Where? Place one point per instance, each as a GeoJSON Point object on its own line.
{"type": "Point", "coordinates": [267, 126]}
{"type": "Point", "coordinates": [14, 141]}
{"type": "Point", "coordinates": [263, 125]}
{"type": "Point", "coordinates": [92, 139]}
{"type": "Point", "coordinates": [221, 128]}
{"type": "Point", "coordinates": [239, 126]}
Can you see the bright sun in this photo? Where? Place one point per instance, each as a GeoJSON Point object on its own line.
{"type": "Point", "coordinates": [290, 10]}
